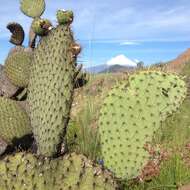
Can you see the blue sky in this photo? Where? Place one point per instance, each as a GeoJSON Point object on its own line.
{"type": "Point", "coordinates": [147, 30]}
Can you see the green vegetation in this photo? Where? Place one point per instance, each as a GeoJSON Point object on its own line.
{"type": "Point", "coordinates": [82, 134]}
{"type": "Point", "coordinates": [173, 174]}
{"type": "Point", "coordinates": [175, 131]}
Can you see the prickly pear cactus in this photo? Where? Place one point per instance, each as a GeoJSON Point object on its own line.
{"type": "Point", "coordinates": [41, 26]}
{"type": "Point", "coordinates": [25, 171]}
{"type": "Point", "coordinates": [64, 17]}
{"type": "Point", "coordinates": [32, 8]}
{"type": "Point", "coordinates": [51, 86]}
{"type": "Point", "coordinates": [17, 67]}
{"type": "Point", "coordinates": [131, 114]}
{"type": "Point", "coordinates": [14, 121]}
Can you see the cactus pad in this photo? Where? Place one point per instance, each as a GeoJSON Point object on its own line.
{"type": "Point", "coordinates": [51, 88]}
{"type": "Point", "coordinates": [17, 67]}
{"type": "Point", "coordinates": [32, 8]}
{"type": "Point", "coordinates": [14, 122]}
{"type": "Point", "coordinates": [131, 114]}
{"type": "Point", "coordinates": [64, 17]}
{"type": "Point", "coordinates": [41, 26]}
{"type": "Point", "coordinates": [25, 171]}
{"type": "Point", "coordinates": [166, 91]}
{"type": "Point", "coordinates": [17, 31]}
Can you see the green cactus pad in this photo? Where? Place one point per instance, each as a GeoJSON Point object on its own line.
{"type": "Point", "coordinates": [14, 121]}
{"type": "Point", "coordinates": [131, 114]}
{"type": "Point", "coordinates": [25, 171]}
{"type": "Point", "coordinates": [166, 91]}
{"type": "Point", "coordinates": [32, 8]}
{"type": "Point", "coordinates": [41, 26]}
{"type": "Point", "coordinates": [51, 88]}
{"type": "Point", "coordinates": [17, 67]}
{"type": "Point", "coordinates": [64, 17]}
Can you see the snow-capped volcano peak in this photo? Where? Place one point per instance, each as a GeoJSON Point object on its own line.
{"type": "Point", "coordinates": [121, 60]}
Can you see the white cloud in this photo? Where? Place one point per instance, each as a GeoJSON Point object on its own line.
{"type": "Point", "coordinates": [112, 20]}
{"type": "Point", "coordinates": [129, 43]}
{"type": "Point", "coordinates": [121, 60]}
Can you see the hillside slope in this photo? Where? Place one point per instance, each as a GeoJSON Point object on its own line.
{"type": "Point", "coordinates": [178, 63]}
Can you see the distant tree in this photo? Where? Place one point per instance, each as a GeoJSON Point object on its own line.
{"type": "Point", "coordinates": [160, 64]}
{"type": "Point", "coordinates": [140, 65]}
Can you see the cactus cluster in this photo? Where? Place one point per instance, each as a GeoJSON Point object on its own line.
{"type": "Point", "coordinates": [25, 171]}
{"type": "Point", "coordinates": [51, 89]}
{"type": "Point", "coordinates": [131, 114]}
{"type": "Point", "coordinates": [45, 75]}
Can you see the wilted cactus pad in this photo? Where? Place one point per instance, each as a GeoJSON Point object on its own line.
{"type": "Point", "coordinates": [32, 8]}
{"type": "Point", "coordinates": [131, 114]}
{"type": "Point", "coordinates": [14, 121]}
{"type": "Point", "coordinates": [51, 88]}
{"type": "Point", "coordinates": [17, 31]}
{"type": "Point", "coordinates": [17, 67]}
{"type": "Point", "coordinates": [71, 172]}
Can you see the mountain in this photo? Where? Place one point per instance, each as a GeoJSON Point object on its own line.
{"type": "Point", "coordinates": [116, 68]}
{"type": "Point", "coordinates": [122, 60]}
{"type": "Point", "coordinates": [178, 63]}
{"type": "Point", "coordinates": [96, 69]}
{"type": "Point", "coordinates": [108, 68]}
{"type": "Point", "coordinates": [118, 63]}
